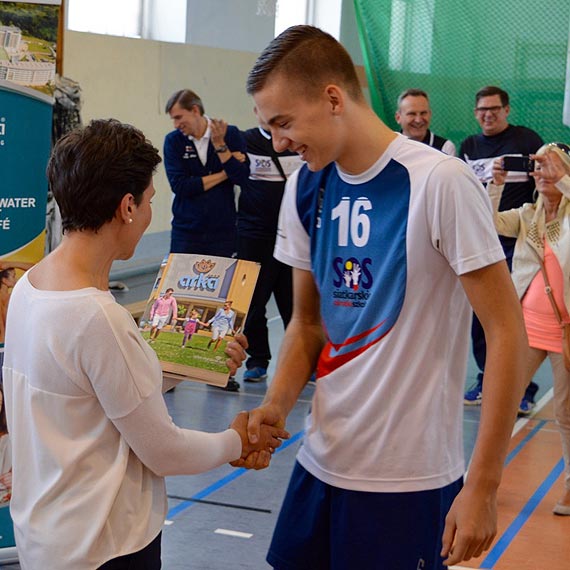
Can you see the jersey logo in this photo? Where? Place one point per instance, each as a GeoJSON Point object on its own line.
{"type": "Point", "coordinates": [333, 356]}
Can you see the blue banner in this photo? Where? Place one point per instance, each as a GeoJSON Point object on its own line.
{"type": "Point", "coordinates": [24, 152]}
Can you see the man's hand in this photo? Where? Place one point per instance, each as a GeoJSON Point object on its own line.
{"type": "Point", "coordinates": [235, 350]}
{"type": "Point", "coordinates": [268, 414]}
{"type": "Point", "coordinates": [239, 155]}
{"type": "Point", "coordinates": [218, 129]}
{"type": "Point", "coordinates": [258, 455]}
{"type": "Point", "coordinates": [470, 525]}
{"type": "Point", "coordinates": [259, 419]}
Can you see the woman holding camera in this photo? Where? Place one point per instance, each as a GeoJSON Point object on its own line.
{"type": "Point", "coordinates": [542, 255]}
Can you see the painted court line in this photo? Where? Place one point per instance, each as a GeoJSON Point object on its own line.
{"type": "Point", "coordinates": [233, 533]}
{"type": "Point", "coordinates": [508, 536]}
{"type": "Point", "coordinates": [225, 481]}
{"type": "Point", "coordinates": [521, 422]}
{"type": "Point", "coordinates": [524, 441]}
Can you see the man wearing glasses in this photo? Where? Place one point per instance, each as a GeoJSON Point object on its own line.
{"type": "Point", "coordinates": [498, 138]}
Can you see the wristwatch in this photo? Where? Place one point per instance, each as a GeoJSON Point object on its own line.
{"type": "Point", "coordinates": [222, 148]}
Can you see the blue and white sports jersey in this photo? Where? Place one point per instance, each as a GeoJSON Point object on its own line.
{"type": "Point", "coordinates": [369, 223]}
{"type": "Point", "coordinates": [385, 248]}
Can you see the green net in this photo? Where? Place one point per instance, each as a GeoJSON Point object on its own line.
{"type": "Point", "coordinates": [452, 48]}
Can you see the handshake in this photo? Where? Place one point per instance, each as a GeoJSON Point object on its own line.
{"type": "Point", "coordinates": [258, 441]}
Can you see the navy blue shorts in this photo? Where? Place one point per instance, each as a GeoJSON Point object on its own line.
{"type": "Point", "coordinates": [321, 527]}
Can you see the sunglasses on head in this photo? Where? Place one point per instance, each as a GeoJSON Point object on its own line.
{"type": "Point", "coordinates": [563, 147]}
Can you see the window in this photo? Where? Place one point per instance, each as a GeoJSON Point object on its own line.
{"type": "Point", "coordinates": [290, 13]}
{"type": "Point", "coordinates": [106, 17]}
{"type": "Point", "coordinates": [323, 14]}
{"type": "Point", "coordinates": [150, 19]}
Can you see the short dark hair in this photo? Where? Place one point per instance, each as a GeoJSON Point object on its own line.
{"type": "Point", "coordinates": [93, 167]}
{"type": "Point", "coordinates": [411, 93]}
{"type": "Point", "coordinates": [309, 56]}
{"type": "Point", "coordinates": [169, 289]}
{"type": "Point", "coordinates": [186, 98]}
{"type": "Point", "coordinates": [490, 90]}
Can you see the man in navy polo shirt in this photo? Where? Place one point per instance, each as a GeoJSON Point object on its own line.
{"type": "Point", "coordinates": [204, 158]}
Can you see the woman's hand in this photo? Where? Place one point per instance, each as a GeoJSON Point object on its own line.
{"type": "Point", "coordinates": [548, 168]}
{"type": "Point", "coordinates": [499, 174]}
{"type": "Point", "coordinates": [235, 350]}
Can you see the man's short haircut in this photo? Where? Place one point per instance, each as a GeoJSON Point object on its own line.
{"type": "Point", "coordinates": [93, 167]}
{"type": "Point", "coordinates": [489, 91]}
{"type": "Point", "coordinates": [411, 93]}
{"type": "Point", "coordinates": [169, 289]}
{"type": "Point", "coordinates": [310, 57]}
{"type": "Point", "coordinates": [186, 98]}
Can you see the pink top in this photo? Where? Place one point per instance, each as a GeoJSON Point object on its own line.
{"type": "Point", "coordinates": [163, 306]}
{"type": "Point", "coordinates": [190, 326]}
{"type": "Point", "coordinates": [542, 327]}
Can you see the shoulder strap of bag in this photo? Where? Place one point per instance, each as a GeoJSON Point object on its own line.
{"type": "Point", "coordinates": [548, 290]}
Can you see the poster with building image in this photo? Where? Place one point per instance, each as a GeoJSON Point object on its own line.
{"type": "Point", "coordinates": [28, 35]}
{"type": "Point", "coordinates": [197, 304]}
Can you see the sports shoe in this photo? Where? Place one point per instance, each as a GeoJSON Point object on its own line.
{"type": "Point", "coordinates": [474, 395]}
{"type": "Point", "coordinates": [231, 386]}
{"type": "Point", "coordinates": [561, 510]}
{"type": "Point", "coordinates": [255, 374]}
{"type": "Point", "coordinates": [526, 407]}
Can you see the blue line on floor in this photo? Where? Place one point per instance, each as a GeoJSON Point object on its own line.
{"type": "Point", "coordinates": [225, 480]}
{"type": "Point", "coordinates": [503, 543]}
{"type": "Point", "coordinates": [523, 442]}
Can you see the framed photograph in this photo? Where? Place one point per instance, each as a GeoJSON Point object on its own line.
{"type": "Point", "coordinates": [197, 304]}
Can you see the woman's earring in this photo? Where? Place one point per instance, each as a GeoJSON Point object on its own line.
{"type": "Point", "coordinates": [130, 220]}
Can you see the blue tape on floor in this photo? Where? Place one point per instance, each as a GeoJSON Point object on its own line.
{"type": "Point", "coordinates": [528, 437]}
{"type": "Point", "coordinates": [503, 543]}
{"type": "Point", "coordinates": [225, 480]}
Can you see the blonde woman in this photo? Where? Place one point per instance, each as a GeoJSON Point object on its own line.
{"type": "Point", "coordinates": [542, 230]}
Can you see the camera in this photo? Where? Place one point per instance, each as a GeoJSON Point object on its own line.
{"type": "Point", "coordinates": [518, 163]}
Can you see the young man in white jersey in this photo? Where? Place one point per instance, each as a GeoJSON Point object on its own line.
{"type": "Point", "coordinates": [388, 252]}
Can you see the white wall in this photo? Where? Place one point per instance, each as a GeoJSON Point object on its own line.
{"type": "Point", "coordinates": [131, 80]}
{"type": "Point", "coordinates": [234, 24]}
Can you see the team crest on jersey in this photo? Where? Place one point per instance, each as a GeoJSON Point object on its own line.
{"type": "Point", "coordinates": [352, 281]}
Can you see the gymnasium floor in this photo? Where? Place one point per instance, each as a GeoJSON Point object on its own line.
{"type": "Point", "coordinates": [225, 518]}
